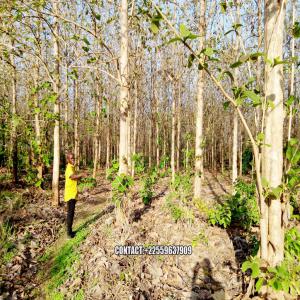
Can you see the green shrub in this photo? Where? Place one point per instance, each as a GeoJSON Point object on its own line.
{"type": "Point", "coordinates": [240, 209]}
{"type": "Point", "coordinates": [139, 163]}
{"type": "Point", "coordinates": [86, 183]}
{"type": "Point", "coordinates": [112, 172]}
{"type": "Point", "coordinates": [120, 187]}
{"type": "Point", "coordinates": [146, 192]}
{"type": "Point", "coordinates": [8, 248]}
{"type": "Point", "coordinates": [286, 276]}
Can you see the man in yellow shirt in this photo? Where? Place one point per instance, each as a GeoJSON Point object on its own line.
{"type": "Point", "coordinates": [71, 191]}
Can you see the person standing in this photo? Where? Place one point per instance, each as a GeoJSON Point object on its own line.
{"type": "Point", "coordinates": [71, 192]}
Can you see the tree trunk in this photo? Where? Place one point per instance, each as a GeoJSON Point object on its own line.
{"type": "Point", "coordinates": [135, 125]}
{"type": "Point", "coordinates": [97, 133]}
{"type": "Point", "coordinates": [273, 154]}
{"type": "Point", "coordinates": [199, 139]}
{"type": "Point", "coordinates": [124, 90]}
{"type": "Point", "coordinates": [76, 124]}
{"type": "Point", "coordinates": [56, 87]}
{"type": "Point", "coordinates": [292, 79]}
{"type": "Point", "coordinates": [37, 127]}
{"type": "Point", "coordinates": [173, 134]}
{"type": "Point", "coordinates": [14, 140]}
{"type": "Point", "coordinates": [108, 136]}
{"type": "Point", "coordinates": [178, 128]}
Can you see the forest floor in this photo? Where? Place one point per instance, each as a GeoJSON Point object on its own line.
{"type": "Point", "coordinates": [39, 262]}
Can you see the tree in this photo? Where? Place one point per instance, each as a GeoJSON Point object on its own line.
{"type": "Point", "coordinates": [124, 90]}
{"type": "Point", "coordinates": [199, 139]}
{"type": "Point", "coordinates": [56, 90]}
{"type": "Point", "coordinates": [272, 155]}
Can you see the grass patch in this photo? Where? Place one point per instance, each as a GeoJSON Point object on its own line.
{"type": "Point", "coordinates": [10, 201]}
{"type": "Point", "coordinates": [63, 262]}
{"type": "Point", "coordinates": [8, 248]}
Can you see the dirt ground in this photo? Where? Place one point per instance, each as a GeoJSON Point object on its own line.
{"type": "Point", "coordinates": [212, 271]}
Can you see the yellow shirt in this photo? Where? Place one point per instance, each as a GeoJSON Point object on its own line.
{"type": "Point", "coordinates": [70, 185]}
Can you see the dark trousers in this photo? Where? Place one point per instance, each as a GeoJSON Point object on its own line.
{"type": "Point", "coordinates": [70, 216]}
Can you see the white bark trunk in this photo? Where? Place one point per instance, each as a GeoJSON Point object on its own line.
{"type": "Point", "coordinates": [199, 112]}
{"type": "Point", "coordinates": [124, 90]}
{"type": "Point", "coordinates": [273, 154]}
{"type": "Point", "coordinates": [56, 87]}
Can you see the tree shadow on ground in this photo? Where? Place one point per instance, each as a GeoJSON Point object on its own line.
{"type": "Point", "coordinates": [219, 183]}
{"type": "Point", "coordinates": [206, 286]}
{"type": "Point", "coordinates": [216, 196]}
{"type": "Point", "coordinates": [93, 219]}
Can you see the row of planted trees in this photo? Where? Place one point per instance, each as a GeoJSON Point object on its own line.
{"type": "Point", "coordinates": [186, 85]}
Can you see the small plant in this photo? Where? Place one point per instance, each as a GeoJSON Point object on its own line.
{"type": "Point", "coordinates": [120, 186]}
{"type": "Point", "coordinates": [199, 238]}
{"type": "Point", "coordinates": [8, 248]}
{"type": "Point", "coordinates": [112, 172]}
{"type": "Point", "coordinates": [240, 209]}
{"type": "Point", "coordinates": [146, 193]}
{"type": "Point", "coordinates": [286, 276]}
{"type": "Point", "coordinates": [87, 183]}
{"type": "Point", "coordinates": [139, 163]}
{"type": "Point", "coordinates": [182, 185]}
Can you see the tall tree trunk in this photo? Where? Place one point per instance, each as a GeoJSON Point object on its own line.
{"type": "Point", "coordinates": [292, 78]}
{"type": "Point", "coordinates": [37, 127]}
{"type": "Point", "coordinates": [97, 133]}
{"type": "Point", "coordinates": [76, 124]}
{"type": "Point", "coordinates": [124, 90]}
{"type": "Point", "coordinates": [173, 134]}
{"type": "Point", "coordinates": [178, 127]}
{"type": "Point", "coordinates": [56, 90]}
{"type": "Point", "coordinates": [273, 154]}
{"type": "Point", "coordinates": [108, 136]}
{"type": "Point", "coordinates": [241, 156]}
{"type": "Point", "coordinates": [14, 140]}
{"type": "Point", "coordinates": [199, 139]}
{"type": "Point", "coordinates": [235, 147]}
{"type": "Point", "coordinates": [135, 125]}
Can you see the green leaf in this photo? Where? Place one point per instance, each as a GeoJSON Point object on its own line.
{"type": "Point", "coordinates": [254, 97]}
{"type": "Point", "coordinates": [177, 39]}
{"type": "Point", "coordinates": [260, 137]}
{"type": "Point", "coordinates": [228, 73]}
{"type": "Point", "coordinates": [98, 17]}
{"type": "Point", "coordinates": [264, 182]}
{"type": "Point", "coordinates": [223, 6]}
{"type": "Point", "coordinates": [86, 49]}
{"type": "Point", "coordinates": [154, 28]}
{"type": "Point", "coordinates": [296, 30]}
{"type": "Point", "coordinates": [86, 41]}
{"type": "Point", "coordinates": [236, 64]}
{"type": "Point", "coordinates": [255, 270]}
{"type": "Point", "coordinates": [190, 60]}
{"type": "Point", "coordinates": [208, 51]}
{"type": "Point", "coordinates": [259, 284]}
{"type": "Point", "coordinates": [184, 32]}
{"type": "Point", "coordinates": [290, 101]}
{"type": "Point", "coordinates": [226, 105]}
{"type": "Point", "coordinates": [246, 265]}
{"type": "Point", "coordinates": [276, 192]}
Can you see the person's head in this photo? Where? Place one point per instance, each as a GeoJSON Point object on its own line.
{"type": "Point", "coordinates": [70, 158]}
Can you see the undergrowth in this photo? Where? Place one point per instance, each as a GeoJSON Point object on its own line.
{"type": "Point", "coordinates": [63, 265]}
{"type": "Point", "coordinates": [239, 209]}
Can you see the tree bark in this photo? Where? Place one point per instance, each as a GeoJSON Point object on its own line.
{"type": "Point", "coordinates": [292, 78]}
{"type": "Point", "coordinates": [199, 138]}
{"type": "Point", "coordinates": [56, 87]}
{"type": "Point", "coordinates": [273, 154]}
{"type": "Point", "coordinates": [14, 140]}
{"type": "Point", "coordinates": [124, 90]}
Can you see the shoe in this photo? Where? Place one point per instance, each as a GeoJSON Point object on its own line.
{"type": "Point", "coordinates": [71, 234]}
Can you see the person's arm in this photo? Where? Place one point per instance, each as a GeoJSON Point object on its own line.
{"type": "Point", "coordinates": [76, 176]}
